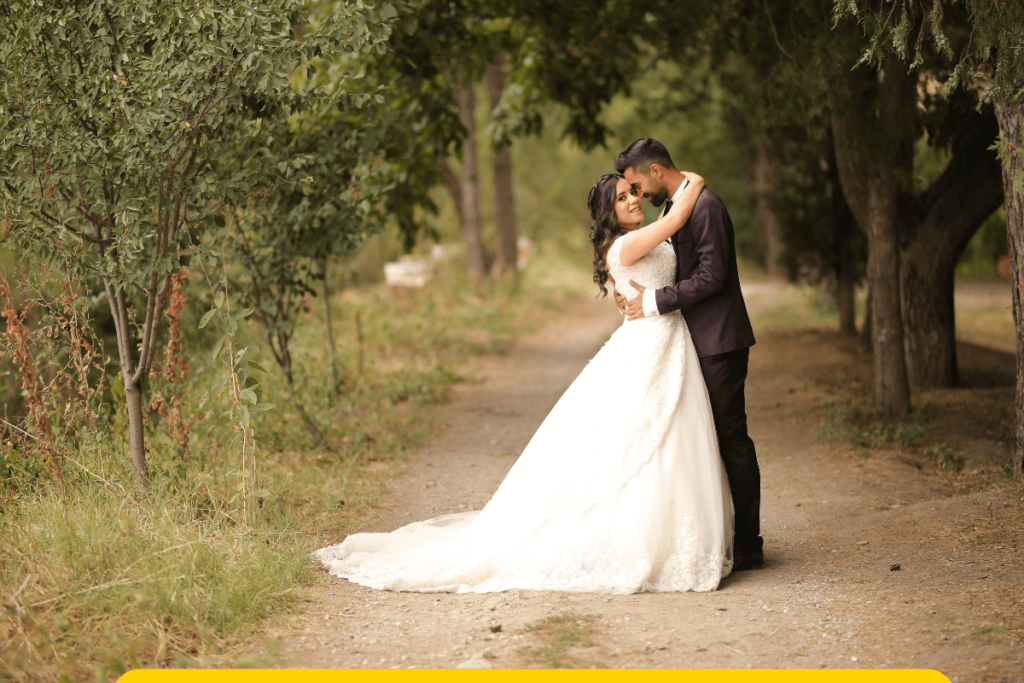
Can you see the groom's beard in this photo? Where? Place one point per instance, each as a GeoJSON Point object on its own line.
{"type": "Point", "coordinates": [658, 197]}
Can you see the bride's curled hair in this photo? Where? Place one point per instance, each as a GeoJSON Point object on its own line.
{"type": "Point", "coordinates": [604, 228]}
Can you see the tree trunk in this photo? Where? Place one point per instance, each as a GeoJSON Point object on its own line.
{"type": "Point", "coordinates": [132, 390]}
{"type": "Point", "coordinates": [451, 183]}
{"type": "Point", "coordinates": [928, 320]}
{"type": "Point", "coordinates": [866, 338]}
{"type": "Point", "coordinates": [136, 430]}
{"type": "Point", "coordinates": [504, 205]}
{"type": "Point", "coordinates": [475, 260]}
{"type": "Point", "coordinates": [359, 342]}
{"type": "Point", "coordinates": [1011, 127]}
{"type": "Point", "coordinates": [844, 227]}
{"type": "Point", "coordinates": [869, 156]}
{"type": "Point", "coordinates": [331, 356]}
{"type": "Point", "coordinates": [846, 299]}
{"type": "Point", "coordinates": [937, 226]}
{"type": "Point", "coordinates": [766, 220]}
{"type": "Point", "coordinates": [892, 387]}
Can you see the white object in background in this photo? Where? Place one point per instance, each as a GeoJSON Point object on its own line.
{"type": "Point", "coordinates": [409, 272]}
{"type": "Point", "coordinates": [525, 248]}
{"type": "Point", "coordinates": [437, 252]}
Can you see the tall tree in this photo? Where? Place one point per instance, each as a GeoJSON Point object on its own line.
{"type": "Point", "coordinates": [991, 60]}
{"type": "Point", "coordinates": [872, 164]}
{"type": "Point", "coordinates": [936, 224]}
{"type": "Point", "coordinates": [433, 73]}
{"type": "Point", "coordinates": [767, 225]}
{"type": "Point", "coordinates": [815, 74]}
{"type": "Point", "coordinates": [115, 115]}
{"type": "Point", "coordinates": [476, 261]}
{"type": "Point", "coordinates": [504, 200]}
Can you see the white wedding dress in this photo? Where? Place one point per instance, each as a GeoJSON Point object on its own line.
{"type": "Point", "coordinates": [621, 489]}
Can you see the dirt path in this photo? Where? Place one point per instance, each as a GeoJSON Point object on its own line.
{"type": "Point", "coordinates": [833, 528]}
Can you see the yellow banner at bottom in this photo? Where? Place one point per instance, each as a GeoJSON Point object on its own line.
{"type": "Point", "coordinates": [535, 675]}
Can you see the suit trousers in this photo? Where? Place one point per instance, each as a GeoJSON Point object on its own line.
{"type": "Point", "coordinates": [725, 375]}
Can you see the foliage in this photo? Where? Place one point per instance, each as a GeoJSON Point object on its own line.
{"type": "Point", "coordinates": [989, 59]}
{"type": "Point", "coordinates": [445, 47]}
{"type": "Point", "coordinates": [581, 55]}
{"type": "Point", "coordinates": [944, 456]}
{"type": "Point", "coordinates": [985, 249]}
{"type": "Point", "coordinates": [992, 52]}
{"type": "Point", "coordinates": [116, 117]}
{"type": "Point", "coordinates": [279, 242]}
{"type": "Point", "coordinates": [244, 393]}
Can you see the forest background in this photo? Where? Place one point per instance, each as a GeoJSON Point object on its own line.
{"type": "Point", "coordinates": [200, 361]}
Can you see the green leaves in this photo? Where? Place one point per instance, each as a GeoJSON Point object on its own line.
{"type": "Point", "coordinates": [207, 317]}
{"type": "Point", "coordinates": [217, 347]}
{"type": "Point", "coordinates": [996, 31]}
{"type": "Point", "coordinates": [120, 118]}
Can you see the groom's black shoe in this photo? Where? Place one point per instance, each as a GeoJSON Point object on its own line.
{"type": "Point", "coordinates": [747, 560]}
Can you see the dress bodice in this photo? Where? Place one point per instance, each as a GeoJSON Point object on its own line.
{"type": "Point", "coordinates": [655, 270]}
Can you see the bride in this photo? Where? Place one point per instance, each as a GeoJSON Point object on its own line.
{"type": "Point", "coordinates": [621, 489]}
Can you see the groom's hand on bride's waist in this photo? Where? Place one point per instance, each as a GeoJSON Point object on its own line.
{"type": "Point", "coordinates": [634, 307]}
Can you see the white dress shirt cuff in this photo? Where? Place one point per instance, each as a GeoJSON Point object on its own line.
{"type": "Point", "coordinates": [650, 304]}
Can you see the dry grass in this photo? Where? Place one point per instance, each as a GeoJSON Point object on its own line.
{"type": "Point", "coordinates": [111, 577]}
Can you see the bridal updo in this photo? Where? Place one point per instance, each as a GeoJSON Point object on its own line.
{"type": "Point", "coordinates": [604, 228]}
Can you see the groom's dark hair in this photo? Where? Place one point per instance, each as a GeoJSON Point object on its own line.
{"type": "Point", "coordinates": [641, 154]}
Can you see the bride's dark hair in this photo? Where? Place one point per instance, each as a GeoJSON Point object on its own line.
{"type": "Point", "coordinates": [604, 228]}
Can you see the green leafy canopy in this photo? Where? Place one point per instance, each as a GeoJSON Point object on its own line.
{"type": "Point", "coordinates": [117, 116]}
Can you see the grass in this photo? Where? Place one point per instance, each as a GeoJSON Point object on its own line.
{"type": "Point", "coordinates": [927, 438]}
{"type": "Point", "coordinates": [848, 422]}
{"type": "Point", "coordinates": [849, 419]}
{"type": "Point", "coordinates": [104, 577]}
{"type": "Point", "coordinates": [984, 634]}
{"type": "Point", "coordinates": [990, 326]}
{"type": "Point", "coordinates": [99, 577]}
{"type": "Point", "coordinates": [557, 635]}
{"type": "Point", "coordinates": [791, 306]}
{"type": "Point", "coordinates": [944, 456]}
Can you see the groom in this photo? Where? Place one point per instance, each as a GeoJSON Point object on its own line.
{"type": "Point", "coordinates": [707, 292]}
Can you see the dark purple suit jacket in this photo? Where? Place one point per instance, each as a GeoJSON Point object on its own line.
{"type": "Point", "coordinates": [707, 288]}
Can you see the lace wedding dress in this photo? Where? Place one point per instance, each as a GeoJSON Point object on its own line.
{"type": "Point", "coordinates": [620, 490]}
